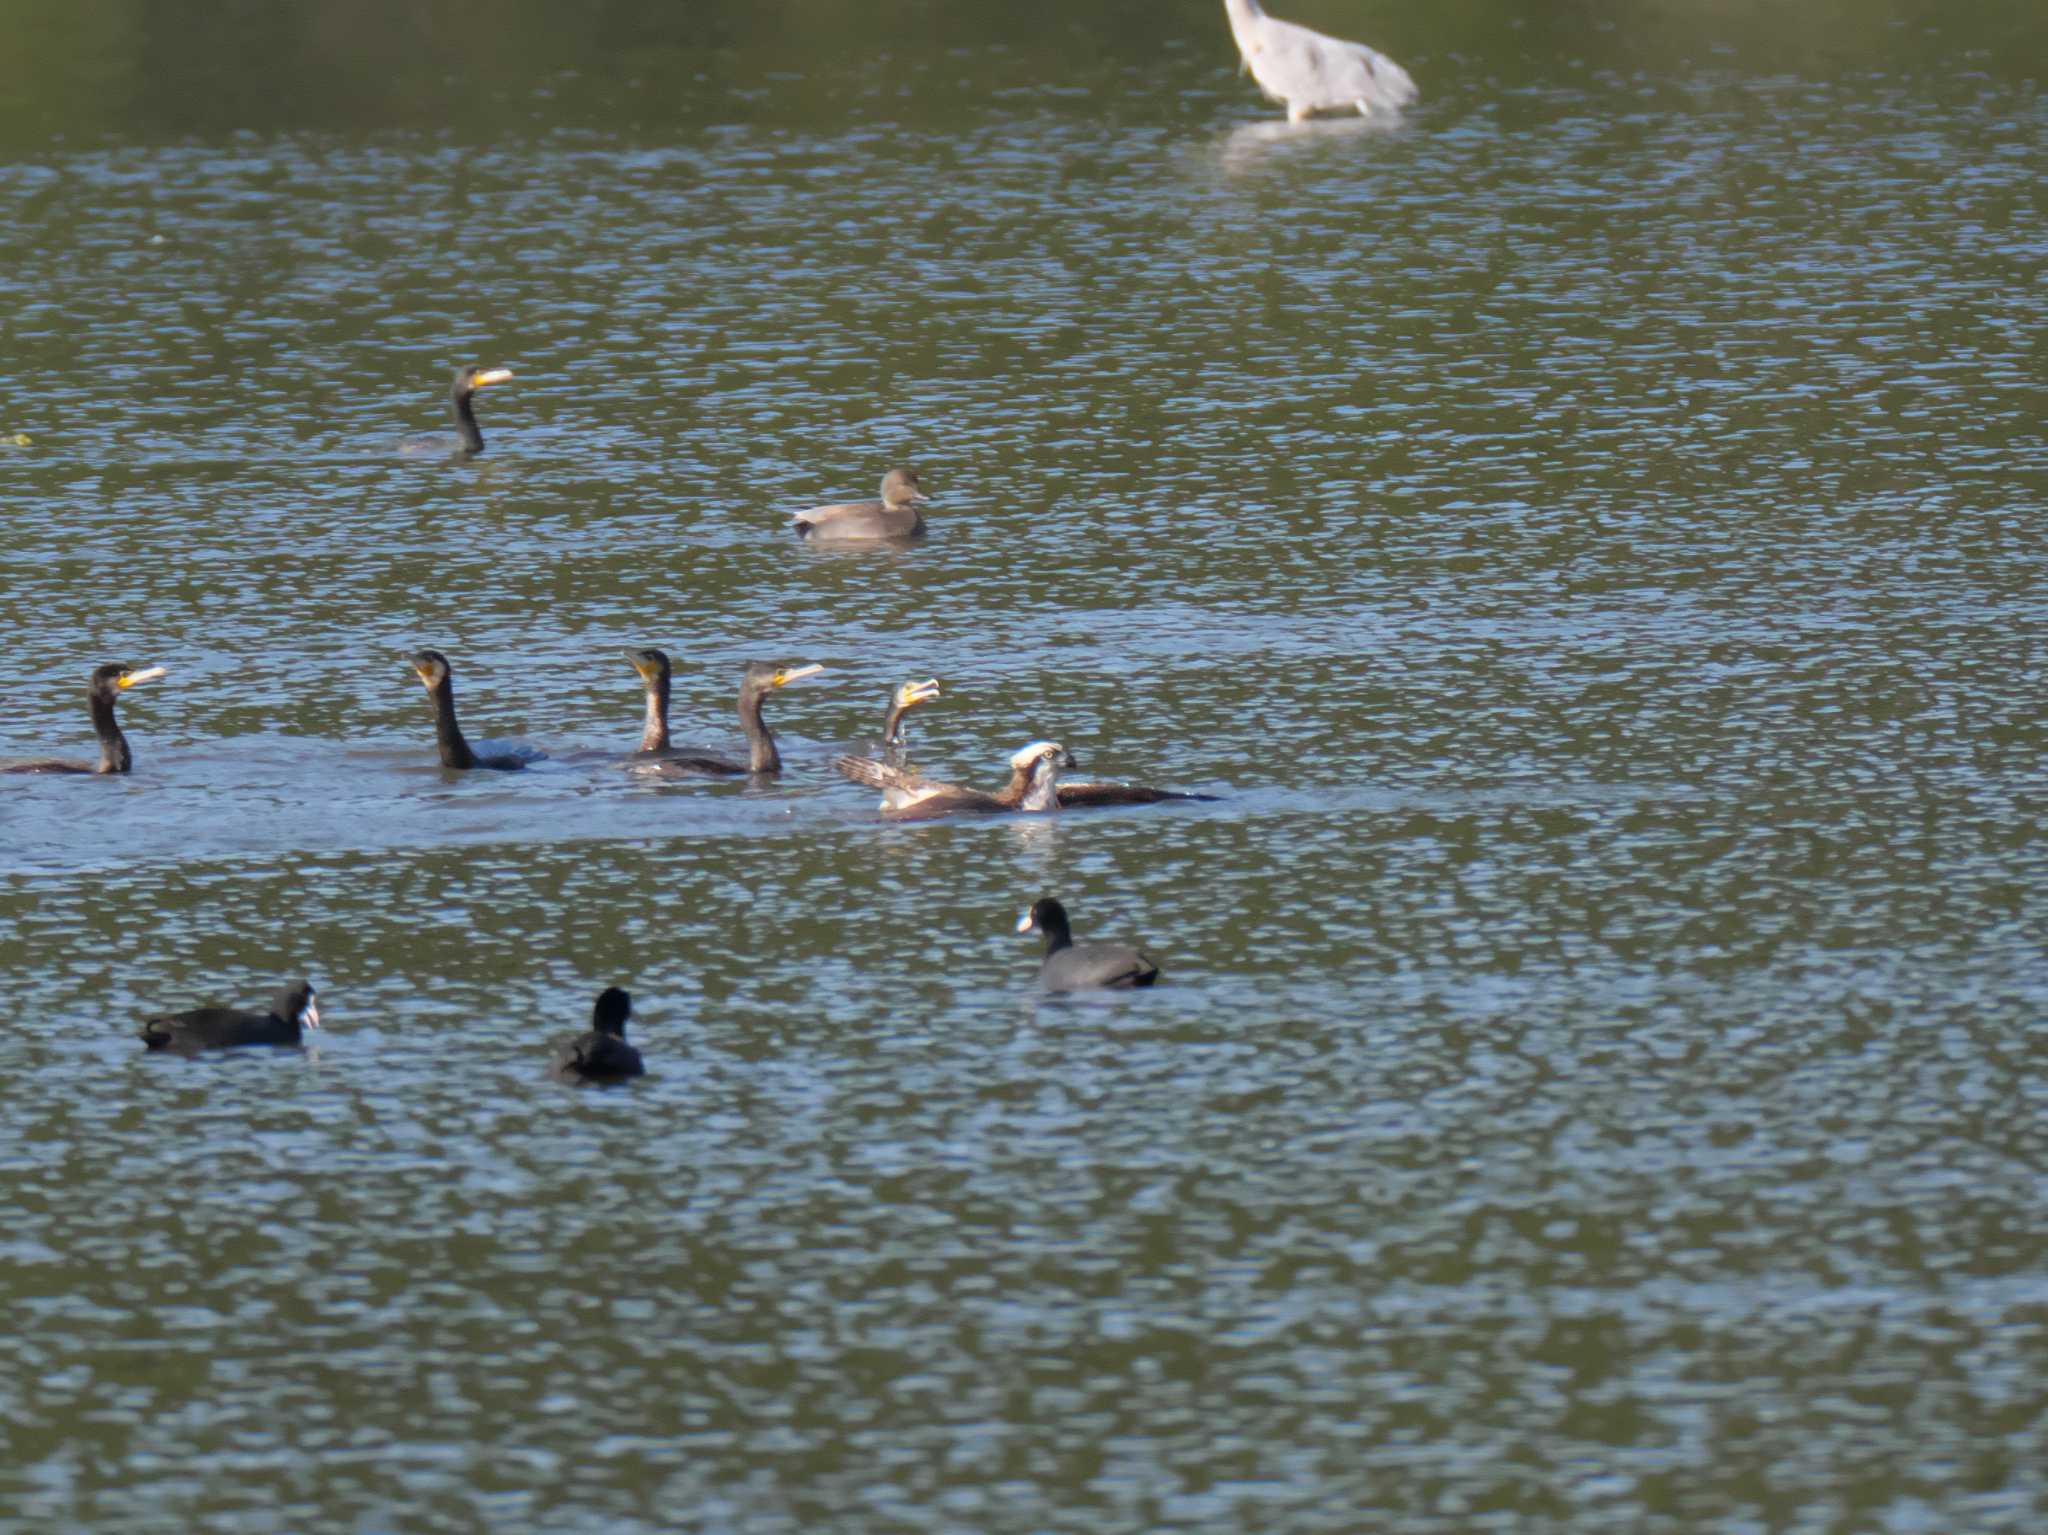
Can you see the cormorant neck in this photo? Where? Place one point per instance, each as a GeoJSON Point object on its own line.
{"type": "Point", "coordinates": [654, 734]}
{"type": "Point", "coordinates": [114, 754]}
{"type": "Point", "coordinates": [762, 757]}
{"type": "Point", "coordinates": [455, 752]}
{"type": "Point", "coordinates": [465, 422]}
{"type": "Point", "coordinates": [892, 727]}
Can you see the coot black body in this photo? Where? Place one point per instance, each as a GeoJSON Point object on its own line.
{"type": "Point", "coordinates": [1071, 966]}
{"type": "Point", "coordinates": [292, 1010]}
{"type": "Point", "coordinates": [602, 1055]}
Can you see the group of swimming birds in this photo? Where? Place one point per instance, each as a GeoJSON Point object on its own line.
{"type": "Point", "coordinates": [601, 1054]}
{"type": "Point", "coordinates": [1034, 785]}
{"type": "Point", "coordinates": [1307, 72]}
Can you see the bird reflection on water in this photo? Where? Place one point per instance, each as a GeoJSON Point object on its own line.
{"type": "Point", "coordinates": [1254, 145]}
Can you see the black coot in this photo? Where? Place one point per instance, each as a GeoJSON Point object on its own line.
{"type": "Point", "coordinates": [1071, 966]}
{"type": "Point", "coordinates": [226, 1028]}
{"type": "Point", "coordinates": [602, 1055]}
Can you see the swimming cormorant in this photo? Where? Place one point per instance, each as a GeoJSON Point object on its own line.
{"type": "Point", "coordinates": [109, 682]}
{"type": "Point", "coordinates": [1071, 966]}
{"type": "Point", "coordinates": [901, 702]}
{"type": "Point", "coordinates": [506, 756]}
{"type": "Point", "coordinates": [602, 1055]}
{"type": "Point", "coordinates": [225, 1028]}
{"type": "Point", "coordinates": [466, 441]}
{"type": "Point", "coordinates": [654, 670]}
{"type": "Point", "coordinates": [759, 680]}
{"type": "Point", "coordinates": [897, 515]}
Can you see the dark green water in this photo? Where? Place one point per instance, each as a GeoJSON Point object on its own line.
{"type": "Point", "coordinates": [1590, 534]}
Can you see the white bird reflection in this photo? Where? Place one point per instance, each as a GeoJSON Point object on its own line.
{"type": "Point", "coordinates": [1250, 146]}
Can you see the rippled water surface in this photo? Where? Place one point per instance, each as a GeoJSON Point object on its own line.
{"type": "Point", "coordinates": [1589, 535]}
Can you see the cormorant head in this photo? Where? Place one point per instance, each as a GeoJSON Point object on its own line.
{"type": "Point", "coordinates": [114, 679]}
{"type": "Point", "coordinates": [432, 667]}
{"type": "Point", "coordinates": [614, 1007]}
{"type": "Point", "coordinates": [294, 1004]}
{"type": "Point", "coordinates": [472, 378]}
{"type": "Point", "coordinates": [766, 676]}
{"type": "Point", "coordinates": [899, 488]}
{"type": "Point", "coordinates": [902, 701]}
{"type": "Point", "coordinates": [912, 694]}
{"type": "Point", "coordinates": [651, 664]}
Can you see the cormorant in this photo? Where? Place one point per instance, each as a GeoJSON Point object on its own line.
{"type": "Point", "coordinates": [901, 702]}
{"type": "Point", "coordinates": [759, 680]}
{"type": "Point", "coordinates": [653, 667]}
{"type": "Point", "coordinates": [506, 756]}
{"type": "Point", "coordinates": [109, 682]}
{"type": "Point", "coordinates": [466, 441]}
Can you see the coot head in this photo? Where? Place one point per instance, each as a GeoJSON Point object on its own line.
{"type": "Point", "coordinates": [614, 1007]}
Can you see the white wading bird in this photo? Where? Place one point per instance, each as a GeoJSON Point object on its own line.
{"type": "Point", "coordinates": [1309, 72]}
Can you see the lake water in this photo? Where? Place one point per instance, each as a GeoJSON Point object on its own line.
{"type": "Point", "coordinates": [1589, 535]}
